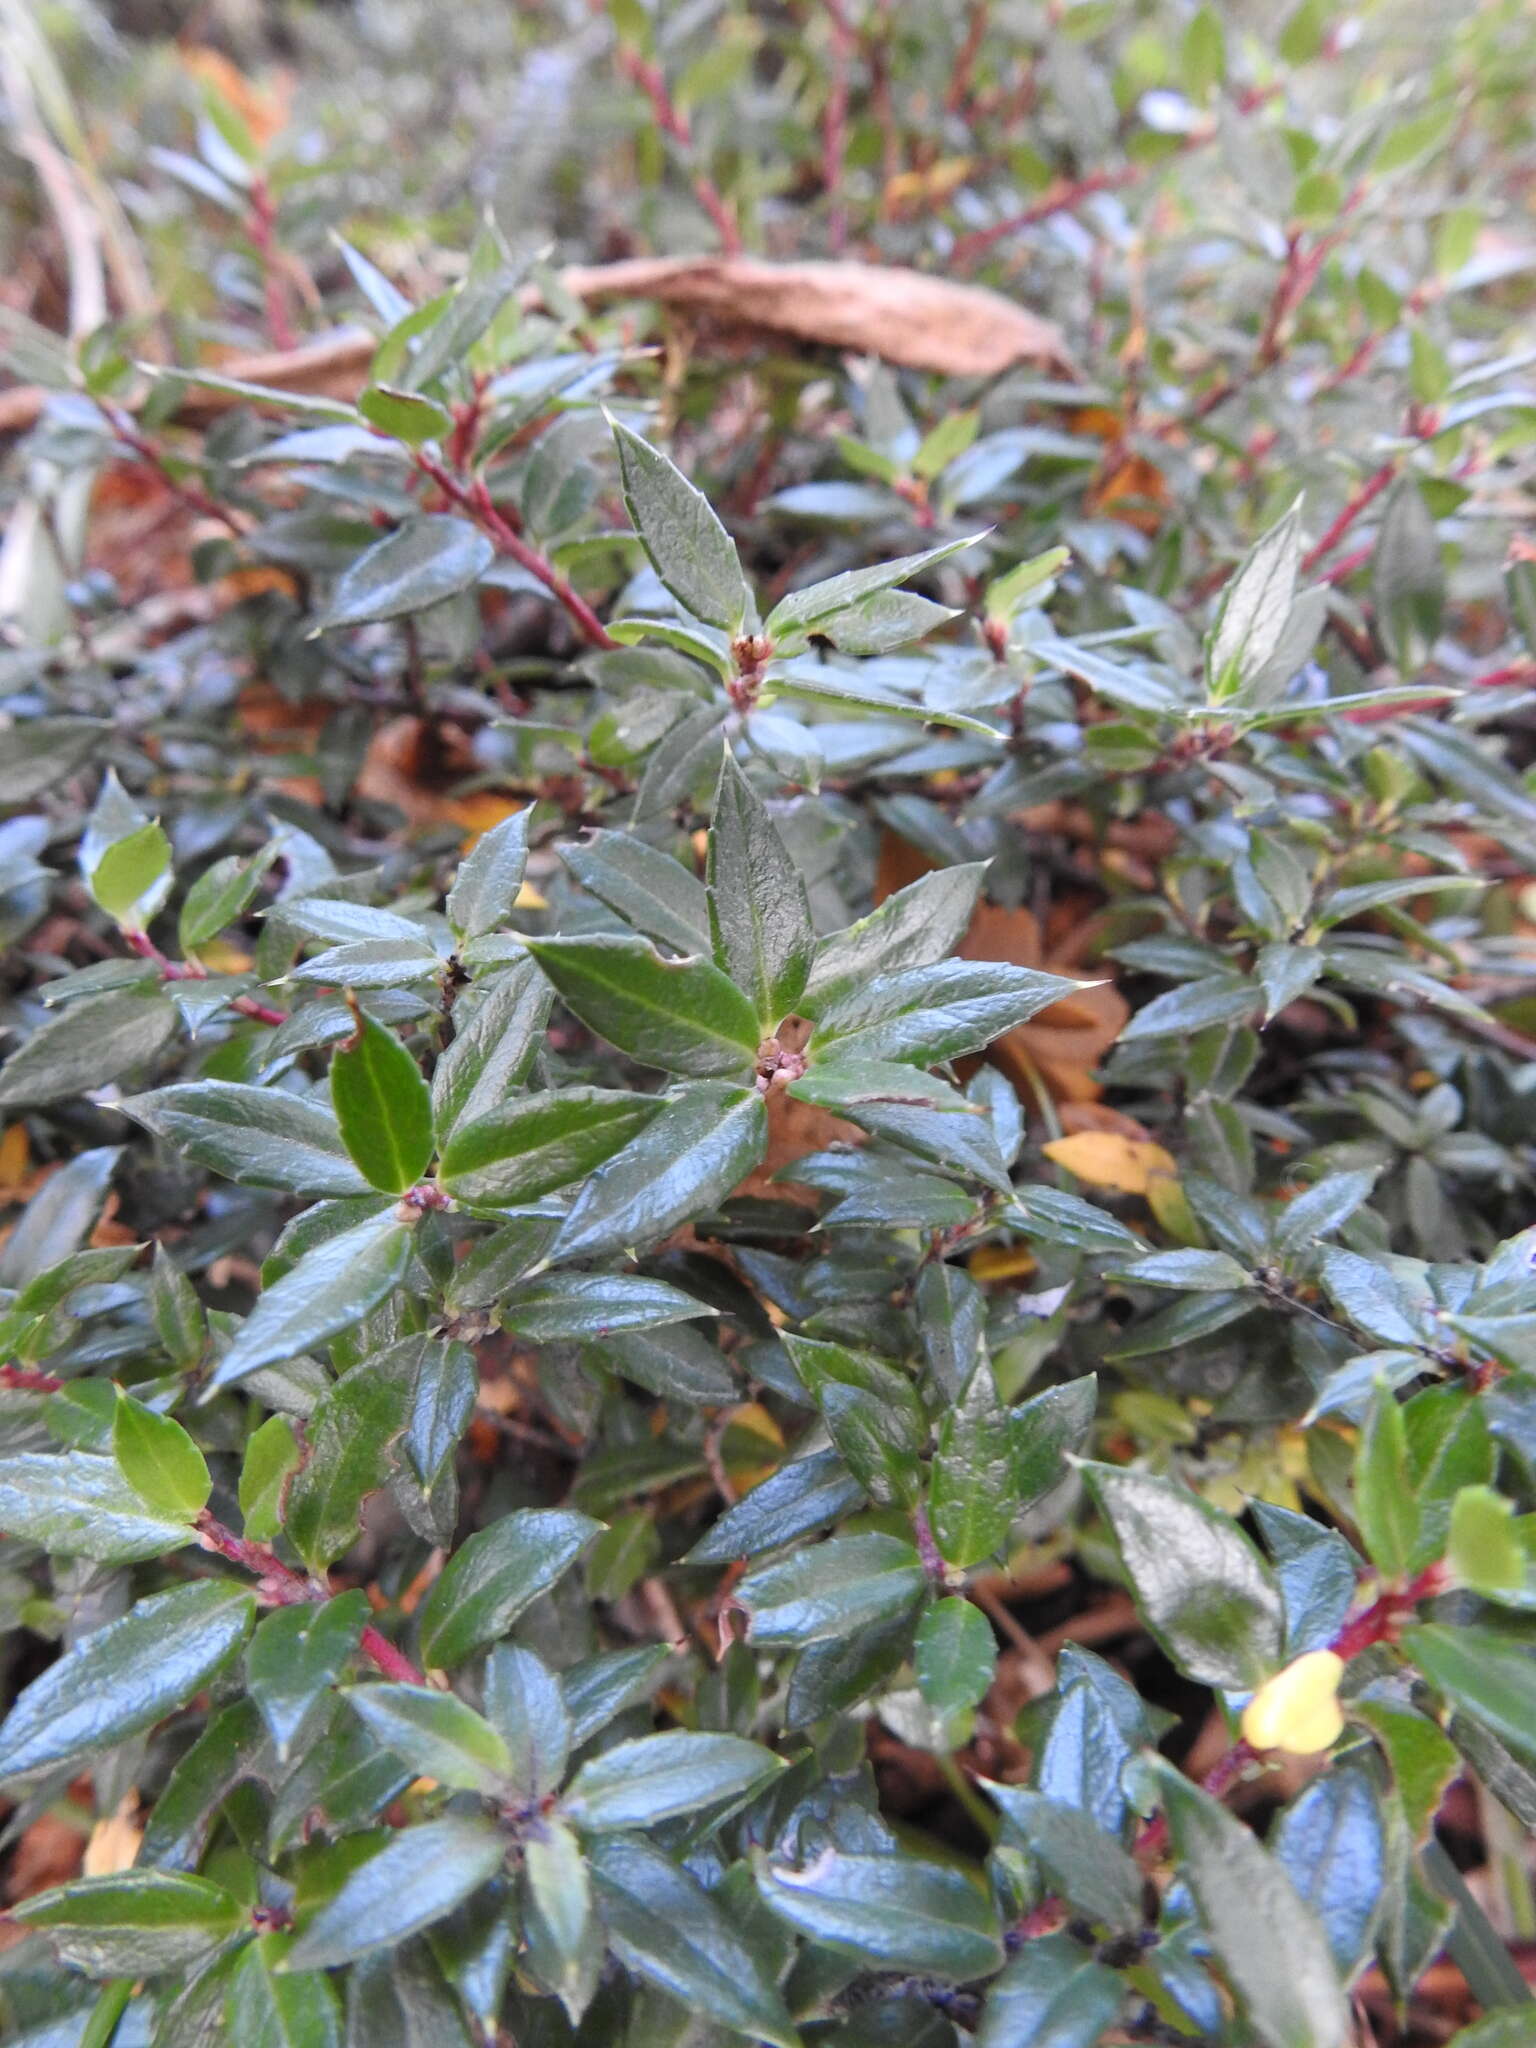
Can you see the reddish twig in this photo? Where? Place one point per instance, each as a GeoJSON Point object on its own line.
{"type": "Point", "coordinates": [834, 124]}
{"type": "Point", "coordinates": [193, 970]}
{"type": "Point", "coordinates": [1061, 198]}
{"type": "Point", "coordinates": [261, 226]}
{"type": "Point", "coordinates": [21, 1379]}
{"type": "Point", "coordinates": [958, 91]}
{"type": "Point", "coordinates": [189, 495]}
{"type": "Point", "coordinates": [672, 121]}
{"type": "Point", "coordinates": [1362, 499]}
{"type": "Point", "coordinates": [475, 500]}
{"type": "Point", "coordinates": [279, 1585]}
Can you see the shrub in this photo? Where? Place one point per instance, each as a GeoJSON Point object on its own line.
{"type": "Point", "coordinates": [690, 1044]}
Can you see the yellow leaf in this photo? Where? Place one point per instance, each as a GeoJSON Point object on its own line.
{"type": "Point", "coordinates": [1001, 1262]}
{"type": "Point", "coordinates": [14, 1159]}
{"type": "Point", "coordinates": [114, 1842]}
{"type": "Point", "coordinates": [1298, 1709]}
{"type": "Point", "coordinates": [1105, 1159]}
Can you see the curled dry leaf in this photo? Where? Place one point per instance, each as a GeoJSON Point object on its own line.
{"type": "Point", "coordinates": [903, 316]}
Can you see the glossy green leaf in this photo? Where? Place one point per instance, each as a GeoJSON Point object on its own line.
{"type": "Point", "coordinates": [1490, 1677]}
{"type": "Point", "coordinates": [681, 1015]}
{"type": "Point", "coordinates": [760, 921]}
{"type": "Point", "coordinates": [87, 1045]}
{"type": "Point", "coordinates": [492, 1048]}
{"type": "Point", "coordinates": [972, 1492]}
{"type": "Point", "coordinates": [269, 2008]}
{"type": "Point", "coordinates": [81, 1505]}
{"type": "Point", "coordinates": [489, 878]}
{"type": "Point", "coordinates": [1288, 1985]}
{"type": "Point", "coordinates": [133, 1922]}
{"type": "Point", "coordinates": [830, 1589]}
{"type": "Point", "coordinates": [872, 1412]}
{"type": "Point", "coordinates": [295, 1656]}
{"type": "Point", "coordinates": [329, 1290]}
{"type": "Point", "coordinates": [647, 888]}
{"type": "Point", "coordinates": [494, 1575]}
{"type": "Point", "coordinates": [536, 1143]}
{"type": "Point", "coordinates": [128, 880]}
{"type": "Point", "coordinates": [663, 1925]}
{"type": "Point", "coordinates": [1332, 1843]}
{"type": "Point", "coordinates": [560, 1927]}
{"type": "Point", "coordinates": [382, 1107]}
{"type": "Point", "coordinates": [564, 1306]}
{"type": "Point", "coordinates": [954, 1656]}
{"type": "Point", "coordinates": [1385, 1506]}
{"type": "Point", "coordinates": [687, 1159]}
{"type": "Point", "coordinates": [927, 1014]}
{"type": "Point", "coordinates": [262, 1137]}
{"type": "Point", "coordinates": [413, 1881]}
{"type": "Point", "coordinates": [437, 1735]}
{"type": "Point", "coordinates": [636, 1784]}
{"type": "Point", "coordinates": [893, 1912]}
{"type": "Point", "coordinates": [1053, 1995]}
{"type": "Point", "coordinates": [121, 1678]}
{"type": "Point", "coordinates": [1199, 1584]}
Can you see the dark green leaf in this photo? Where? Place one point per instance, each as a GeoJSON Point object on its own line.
{"type": "Point", "coordinates": [973, 1497]}
{"type": "Point", "coordinates": [690, 550]}
{"type": "Point", "coordinates": [490, 875]}
{"type": "Point", "coordinates": [263, 1137]}
{"type": "Point", "coordinates": [524, 1703]}
{"type": "Point", "coordinates": [270, 2009]}
{"type": "Point", "coordinates": [682, 1015]}
{"type": "Point", "coordinates": [1332, 1844]}
{"type": "Point", "coordinates": [688, 1158]}
{"type": "Point", "coordinates": [954, 1656]}
{"type": "Point", "coordinates": [1083, 1863]}
{"type": "Point", "coordinates": [918, 925]}
{"type": "Point", "coordinates": [492, 1577]}
{"type": "Point", "coordinates": [1287, 1983]}
{"type": "Point", "coordinates": [872, 1412]}
{"type": "Point", "coordinates": [330, 1289]}
{"type": "Point", "coordinates": [135, 1922]}
{"type": "Point", "coordinates": [413, 1881]}
{"type": "Point", "coordinates": [295, 1657]}
{"type": "Point", "coordinates": [759, 918]}
{"type": "Point", "coordinates": [1045, 1429]}
{"type": "Point", "coordinates": [1199, 1584]}
{"type": "Point", "coordinates": [437, 1735]}
{"type": "Point", "coordinates": [831, 1589]}
{"type": "Point", "coordinates": [536, 1143]}
{"type": "Point", "coordinates": [88, 1045]}
{"type": "Point", "coordinates": [648, 889]}
{"type": "Point", "coordinates": [927, 1014]}
{"type": "Point", "coordinates": [493, 1048]}
{"type": "Point", "coordinates": [893, 1912]}
{"type": "Point", "coordinates": [561, 1307]}
{"type": "Point", "coordinates": [798, 1499]}
{"type": "Point", "coordinates": [80, 1505]}
{"type": "Point", "coordinates": [422, 562]}
{"type": "Point", "coordinates": [664, 1926]}
{"type": "Point", "coordinates": [565, 1945]}
{"type": "Point", "coordinates": [635, 1784]}
{"type": "Point", "coordinates": [122, 1677]}
{"type": "Point", "coordinates": [1052, 1995]}
{"type": "Point", "coordinates": [1490, 1677]}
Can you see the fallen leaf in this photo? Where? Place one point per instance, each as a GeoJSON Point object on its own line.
{"type": "Point", "coordinates": [1001, 1262]}
{"type": "Point", "coordinates": [115, 1839]}
{"type": "Point", "coordinates": [263, 108]}
{"type": "Point", "coordinates": [903, 316]}
{"type": "Point", "coordinates": [1105, 1159]}
{"type": "Point", "coordinates": [14, 1161]}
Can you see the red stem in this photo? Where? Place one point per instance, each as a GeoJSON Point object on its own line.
{"type": "Point", "coordinates": [1060, 199]}
{"type": "Point", "coordinates": [671, 120]}
{"type": "Point", "coordinates": [279, 1585]}
{"type": "Point", "coordinates": [261, 226]}
{"type": "Point", "coordinates": [1363, 498]}
{"type": "Point", "coordinates": [20, 1379]}
{"type": "Point", "coordinates": [193, 970]}
{"type": "Point", "coordinates": [834, 125]}
{"type": "Point", "coordinates": [475, 501]}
